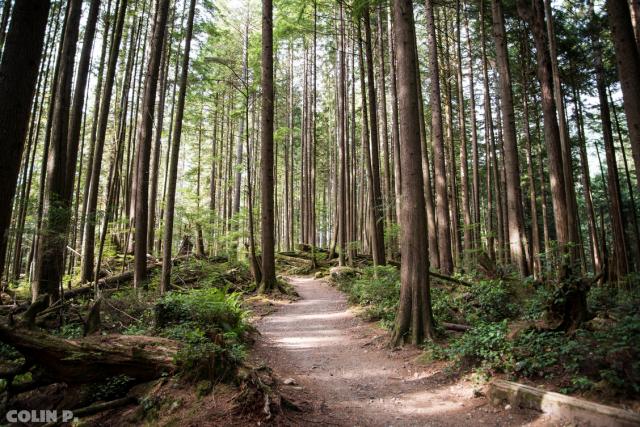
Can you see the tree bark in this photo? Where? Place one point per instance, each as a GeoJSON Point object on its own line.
{"type": "Point", "coordinates": [442, 200]}
{"type": "Point", "coordinates": [532, 11]}
{"type": "Point", "coordinates": [88, 245]}
{"type": "Point", "coordinates": [628, 64]}
{"type": "Point", "coordinates": [95, 358]}
{"type": "Point", "coordinates": [414, 321]}
{"type": "Point", "coordinates": [144, 134]}
{"type": "Point", "coordinates": [613, 179]}
{"type": "Point", "coordinates": [167, 242]}
{"type": "Point", "coordinates": [515, 214]}
{"type": "Point", "coordinates": [18, 77]}
{"type": "Point", "coordinates": [266, 151]}
{"type": "Point", "coordinates": [377, 202]}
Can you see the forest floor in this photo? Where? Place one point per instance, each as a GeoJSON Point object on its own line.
{"type": "Point", "coordinates": [340, 365]}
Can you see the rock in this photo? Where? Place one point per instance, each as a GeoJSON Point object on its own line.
{"type": "Point", "coordinates": [507, 407]}
{"type": "Point", "coordinates": [289, 381]}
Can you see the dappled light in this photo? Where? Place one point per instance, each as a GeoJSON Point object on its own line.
{"type": "Point", "coordinates": [320, 212]}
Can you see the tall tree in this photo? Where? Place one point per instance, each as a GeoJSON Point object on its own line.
{"type": "Point", "coordinates": [266, 151]}
{"type": "Point", "coordinates": [144, 133]}
{"type": "Point", "coordinates": [377, 206]}
{"type": "Point", "coordinates": [628, 64]}
{"type": "Point", "coordinates": [532, 11]}
{"type": "Point", "coordinates": [621, 266]}
{"type": "Point", "coordinates": [88, 242]}
{"type": "Point", "coordinates": [515, 214]}
{"type": "Point", "coordinates": [169, 211]}
{"type": "Point", "coordinates": [414, 320]}
{"type": "Point", "coordinates": [437, 139]}
{"type": "Point", "coordinates": [18, 76]}
{"type": "Point", "coordinates": [61, 164]}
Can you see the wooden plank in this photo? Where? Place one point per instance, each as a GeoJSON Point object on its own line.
{"type": "Point", "coordinates": [561, 406]}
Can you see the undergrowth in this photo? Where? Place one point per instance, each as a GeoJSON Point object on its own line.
{"type": "Point", "coordinates": [603, 356]}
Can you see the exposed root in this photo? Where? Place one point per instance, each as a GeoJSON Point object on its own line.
{"type": "Point", "coordinates": [259, 395]}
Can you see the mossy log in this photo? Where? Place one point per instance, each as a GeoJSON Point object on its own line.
{"type": "Point", "coordinates": [577, 411]}
{"type": "Point", "coordinates": [94, 358]}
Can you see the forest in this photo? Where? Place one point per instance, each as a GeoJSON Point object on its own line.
{"type": "Point", "coordinates": [320, 212]}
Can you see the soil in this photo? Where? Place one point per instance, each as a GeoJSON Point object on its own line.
{"type": "Point", "coordinates": [340, 367]}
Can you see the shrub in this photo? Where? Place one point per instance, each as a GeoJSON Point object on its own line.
{"type": "Point", "coordinates": [493, 301]}
{"type": "Point", "coordinates": [209, 307]}
{"type": "Point", "coordinates": [211, 324]}
{"type": "Point", "coordinates": [378, 289]}
{"type": "Point", "coordinates": [486, 344]}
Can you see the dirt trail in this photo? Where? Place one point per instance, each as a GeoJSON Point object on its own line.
{"type": "Point", "coordinates": [342, 368]}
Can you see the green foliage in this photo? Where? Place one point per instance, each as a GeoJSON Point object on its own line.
{"type": "Point", "coordinates": [378, 289]}
{"type": "Point", "coordinates": [486, 301]}
{"type": "Point", "coordinates": [71, 331]}
{"type": "Point", "coordinates": [492, 301]}
{"type": "Point", "coordinates": [539, 353]}
{"type": "Point", "coordinates": [535, 306]}
{"type": "Point", "coordinates": [485, 344]}
{"type": "Point", "coordinates": [7, 352]}
{"type": "Point", "coordinates": [608, 358]}
{"type": "Point", "coordinates": [111, 388]}
{"type": "Point", "coordinates": [211, 324]}
{"type": "Point", "coordinates": [210, 307]}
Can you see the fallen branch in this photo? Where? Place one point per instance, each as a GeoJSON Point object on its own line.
{"type": "Point", "coordinates": [449, 279]}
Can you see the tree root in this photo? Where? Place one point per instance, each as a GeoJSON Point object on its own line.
{"type": "Point", "coordinates": [259, 394]}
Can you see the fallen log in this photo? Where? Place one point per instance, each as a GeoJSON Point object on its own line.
{"type": "Point", "coordinates": [96, 408]}
{"type": "Point", "coordinates": [103, 406]}
{"type": "Point", "coordinates": [94, 358]}
{"type": "Point", "coordinates": [561, 406]}
{"type": "Point", "coordinates": [456, 327]}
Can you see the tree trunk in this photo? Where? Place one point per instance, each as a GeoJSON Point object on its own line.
{"type": "Point", "coordinates": [144, 134]}
{"type": "Point", "coordinates": [512, 166]}
{"type": "Point", "coordinates": [565, 140]}
{"type": "Point", "coordinates": [628, 64]}
{"type": "Point", "coordinates": [167, 242]}
{"type": "Point", "coordinates": [534, 261]}
{"type": "Point", "coordinates": [613, 181]}
{"type": "Point", "coordinates": [18, 77]}
{"type": "Point", "coordinates": [395, 131]}
{"type": "Point", "coordinates": [533, 12]}
{"type": "Point", "coordinates": [464, 166]}
{"type": "Point", "coordinates": [88, 245]}
{"type": "Point", "coordinates": [342, 186]}
{"type": "Point", "coordinates": [53, 238]}
{"type": "Point", "coordinates": [95, 358]}
{"type": "Point", "coordinates": [475, 168]}
{"type": "Point", "coordinates": [157, 145]}
{"type": "Point", "coordinates": [442, 200]}
{"type": "Point", "coordinates": [266, 151]}
{"type": "Point", "coordinates": [384, 131]}
{"type": "Point", "coordinates": [414, 312]}
{"type": "Point", "coordinates": [377, 202]}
